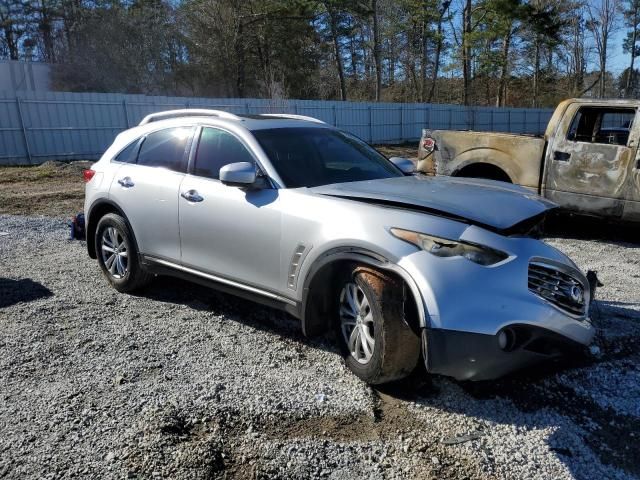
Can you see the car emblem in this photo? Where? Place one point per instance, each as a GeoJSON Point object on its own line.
{"type": "Point", "coordinates": [577, 294]}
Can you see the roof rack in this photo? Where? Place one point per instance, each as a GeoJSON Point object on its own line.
{"type": "Point", "coordinates": [293, 117]}
{"type": "Point", "coordinates": [188, 112]}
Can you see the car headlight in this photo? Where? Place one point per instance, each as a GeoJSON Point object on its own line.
{"type": "Point", "coordinates": [443, 247]}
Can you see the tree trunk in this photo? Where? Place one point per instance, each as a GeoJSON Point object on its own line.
{"type": "Point", "coordinates": [466, 51]}
{"type": "Point", "coordinates": [333, 24]}
{"type": "Point", "coordinates": [12, 44]}
{"type": "Point", "coordinates": [377, 54]}
{"type": "Point", "coordinates": [240, 59]}
{"type": "Point", "coordinates": [504, 71]}
{"type": "Point", "coordinates": [438, 52]}
{"type": "Point", "coordinates": [631, 73]}
{"type": "Point", "coordinates": [536, 72]}
{"type": "Point", "coordinates": [423, 62]}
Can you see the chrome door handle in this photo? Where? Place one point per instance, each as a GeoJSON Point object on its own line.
{"type": "Point", "coordinates": [126, 182]}
{"type": "Point", "coordinates": [192, 196]}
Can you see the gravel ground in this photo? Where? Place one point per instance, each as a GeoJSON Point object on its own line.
{"type": "Point", "coordinates": [184, 382]}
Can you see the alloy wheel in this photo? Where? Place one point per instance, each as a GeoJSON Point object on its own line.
{"type": "Point", "coordinates": [114, 252]}
{"type": "Point", "coordinates": [356, 322]}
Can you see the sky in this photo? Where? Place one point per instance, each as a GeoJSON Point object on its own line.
{"type": "Point", "coordinates": [618, 60]}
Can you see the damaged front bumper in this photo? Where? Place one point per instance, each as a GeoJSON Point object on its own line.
{"type": "Point", "coordinates": [485, 322]}
{"type": "Point", "coordinates": [476, 356]}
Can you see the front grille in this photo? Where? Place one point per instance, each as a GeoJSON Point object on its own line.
{"type": "Point", "coordinates": [562, 289]}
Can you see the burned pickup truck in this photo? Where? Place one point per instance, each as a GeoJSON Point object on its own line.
{"type": "Point", "coordinates": [587, 161]}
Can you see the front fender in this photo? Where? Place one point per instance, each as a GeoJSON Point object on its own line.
{"type": "Point", "coordinates": [361, 256]}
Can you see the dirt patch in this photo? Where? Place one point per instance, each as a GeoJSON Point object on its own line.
{"type": "Point", "coordinates": [53, 188]}
{"type": "Point", "coordinates": [407, 150]}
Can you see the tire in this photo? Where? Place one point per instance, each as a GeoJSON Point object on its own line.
{"type": "Point", "coordinates": [118, 255]}
{"type": "Point", "coordinates": [396, 347]}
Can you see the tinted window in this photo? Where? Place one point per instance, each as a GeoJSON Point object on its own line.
{"type": "Point", "coordinates": [216, 149]}
{"type": "Point", "coordinates": [165, 149]}
{"type": "Point", "coordinates": [602, 125]}
{"type": "Point", "coordinates": [128, 154]}
{"type": "Point", "coordinates": [308, 157]}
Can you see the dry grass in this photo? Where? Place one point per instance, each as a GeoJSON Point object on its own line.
{"type": "Point", "coordinates": [53, 188]}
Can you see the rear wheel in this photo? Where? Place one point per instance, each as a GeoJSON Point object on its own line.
{"type": "Point", "coordinates": [379, 345]}
{"type": "Point", "coordinates": [117, 254]}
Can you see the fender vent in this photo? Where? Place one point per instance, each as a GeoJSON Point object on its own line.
{"type": "Point", "coordinates": [294, 266]}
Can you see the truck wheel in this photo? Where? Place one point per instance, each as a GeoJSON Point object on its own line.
{"type": "Point", "coordinates": [378, 345]}
{"type": "Point", "coordinates": [118, 256]}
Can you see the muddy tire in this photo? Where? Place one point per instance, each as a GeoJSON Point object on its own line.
{"type": "Point", "coordinates": [118, 255]}
{"type": "Point", "coordinates": [378, 344]}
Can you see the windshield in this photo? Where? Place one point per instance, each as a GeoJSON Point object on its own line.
{"type": "Point", "coordinates": [309, 157]}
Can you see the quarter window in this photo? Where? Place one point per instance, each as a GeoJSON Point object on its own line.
{"type": "Point", "coordinates": [609, 126]}
{"type": "Point", "coordinates": [216, 149]}
{"type": "Point", "coordinates": [165, 149]}
{"type": "Point", "coordinates": [128, 154]}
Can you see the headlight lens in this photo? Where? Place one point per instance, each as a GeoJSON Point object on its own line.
{"type": "Point", "coordinates": [442, 247]}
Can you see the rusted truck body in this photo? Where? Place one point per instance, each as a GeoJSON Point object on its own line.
{"type": "Point", "coordinates": [587, 161]}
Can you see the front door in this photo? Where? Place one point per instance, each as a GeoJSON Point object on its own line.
{"type": "Point", "coordinates": [228, 231]}
{"type": "Point", "coordinates": [146, 187]}
{"type": "Point", "coordinates": [587, 165]}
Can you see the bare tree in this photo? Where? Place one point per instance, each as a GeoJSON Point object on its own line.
{"type": "Point", "coordinates": [602, 20]}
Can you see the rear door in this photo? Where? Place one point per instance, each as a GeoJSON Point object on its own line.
{"type": "Point", "coordinates": [588, 162]}
{"type": "Point", "coordinates": [147, 186]}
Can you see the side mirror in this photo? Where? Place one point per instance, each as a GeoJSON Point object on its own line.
{"type": "Point", "coordinates": [241, 174]}
{"type": "Point", "coordinates": [404, 164]}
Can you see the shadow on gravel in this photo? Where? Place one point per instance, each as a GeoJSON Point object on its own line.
{"type": "Point", "coordinates": [260, 317]}
{"type": "Point", "coordinates": [17, 291]}
{"type": "Point", "coordinates": [565, 225]}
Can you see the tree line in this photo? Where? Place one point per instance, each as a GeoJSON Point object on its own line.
{"type": "Point", "coordinates": [473, 52]}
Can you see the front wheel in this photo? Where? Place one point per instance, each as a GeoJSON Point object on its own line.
{"type": "Point", "coordinates": [117, 254]}
{"type": "Point", "coordinates": [378, 343]}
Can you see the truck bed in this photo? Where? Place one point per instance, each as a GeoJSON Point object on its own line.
{"type": "Point", "coordinates": [518, 156]}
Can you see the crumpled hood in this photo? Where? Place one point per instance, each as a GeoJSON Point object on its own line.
{"type": "Point", "coordinates": [497, 205]}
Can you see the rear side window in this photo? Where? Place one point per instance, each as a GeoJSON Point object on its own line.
{"type": "Point", "coordinates": [609, 126]}
{"type": "Point", "coordinates": [128, 154]}
{"type": "Point", "coordinates": [216, 149]}
{"type": "Point", "coordinates": [165, 149]}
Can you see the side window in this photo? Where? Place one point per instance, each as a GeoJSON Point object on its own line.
{"type": "Point", "coordinates": [610, 126]}
{"type": "Point", "coordinates": [128, 154]}
{"type": "Point", "coordinates": [216, 149]}
{"type": "Point", "coordinates": [165, 149]}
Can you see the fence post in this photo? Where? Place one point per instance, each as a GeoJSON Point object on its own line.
{"type": "Point", "coordinates": [509, 120]}
{"type": "Point", "coordinates": [370, 125]}
{"type": "Point", "coordinates": [126, 113]}
{"type": "Point", "coordinates": [24, 131]}
{"type": "Point", "coordinates": [492, 127]}
{"type": "Point", "coordinates": [539, 122]}
{"type": "Point", "coordinates": [401, 125]}
{"type": "Point", "coordinates": [335, 117]}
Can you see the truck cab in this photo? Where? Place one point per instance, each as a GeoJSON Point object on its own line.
{"type": "Point", "coordinates": [587, 161]}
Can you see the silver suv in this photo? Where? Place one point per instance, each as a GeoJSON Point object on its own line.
{"type": "Point", "coordinates": [290, 212]}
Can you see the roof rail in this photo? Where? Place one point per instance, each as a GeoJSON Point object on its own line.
{"type": "Point", "coordinates": [188, 112]}
{"type": "Point", "coordinates": [293, 117]}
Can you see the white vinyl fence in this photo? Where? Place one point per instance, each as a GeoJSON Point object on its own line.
{"type": "Point", "coordinates": [40, 126]}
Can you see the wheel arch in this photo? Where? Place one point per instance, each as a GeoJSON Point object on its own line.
{"type": "Point", "coordinates": [323, 272]}
{"type": "Point", "coordinates": [99, 209]}
{"type": "Point", "coordinates": [485, 158]}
